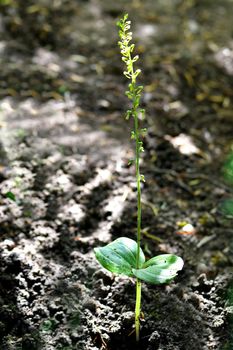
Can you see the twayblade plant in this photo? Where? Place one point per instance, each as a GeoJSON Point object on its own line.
{"type": "Point", "coordinates": [124, 255]}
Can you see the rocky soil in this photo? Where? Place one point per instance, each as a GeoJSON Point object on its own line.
{"type": "Point", "coordinates": [64, 156]}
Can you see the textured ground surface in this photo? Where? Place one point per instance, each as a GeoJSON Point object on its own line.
{"type": "Point", "coordinates": [64, 154]}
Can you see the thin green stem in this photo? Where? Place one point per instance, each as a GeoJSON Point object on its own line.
{"type": "Point", "coordinates": [138, 309]}
{"type": "Point", "coordinates": [139, 209]}
{"type": "Point", "coordinates": [138, 181]}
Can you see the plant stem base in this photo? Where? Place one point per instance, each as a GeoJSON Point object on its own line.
{"type": "Point", "coordinates": [138, 308]}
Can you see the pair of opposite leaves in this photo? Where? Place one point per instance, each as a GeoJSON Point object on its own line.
{"type": "Point", "coordinates": [119, 257]}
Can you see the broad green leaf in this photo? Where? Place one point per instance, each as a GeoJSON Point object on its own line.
{"type": "Point", "coordinates": [119, 256]}
{"type": "Point", "coordinates": [160, 269]}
